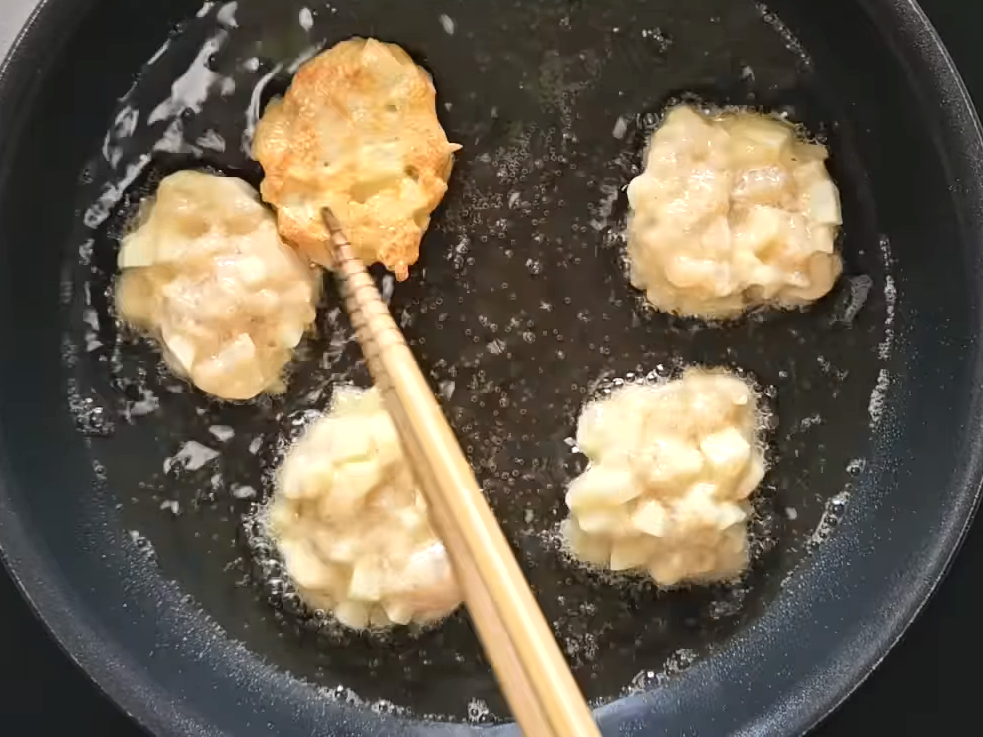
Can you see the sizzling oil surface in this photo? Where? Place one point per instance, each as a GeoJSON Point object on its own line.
{"type": "Point", "coordinates": [519, 310]}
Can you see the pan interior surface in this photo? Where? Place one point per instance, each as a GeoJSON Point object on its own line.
{"type": "Point", "coordinates": [519, 310]}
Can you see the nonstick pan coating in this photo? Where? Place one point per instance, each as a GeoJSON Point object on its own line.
{"type": "Point", "coordinates": [148, 566]}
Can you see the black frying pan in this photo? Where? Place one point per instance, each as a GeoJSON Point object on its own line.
{"type": "Point", "coordinates": [156, 582]}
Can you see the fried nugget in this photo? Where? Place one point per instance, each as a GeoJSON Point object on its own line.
{"type": "Point", "coordinates": [206, 273]}
{"type": "Point", "coordinates": [357, 132]}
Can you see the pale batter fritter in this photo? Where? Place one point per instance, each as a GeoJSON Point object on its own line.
{"type": "Point", "coordinates": [352, 525]}
{"type": "Point", "coordinates": [207, 274]}
{"type": "Point", "coordinates": [671, 469]}
{"type": "Point", "coordinates": [733, 211]}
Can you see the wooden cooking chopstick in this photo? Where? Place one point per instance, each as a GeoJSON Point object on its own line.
{"type": "Point", "coordinates": [531, 670]}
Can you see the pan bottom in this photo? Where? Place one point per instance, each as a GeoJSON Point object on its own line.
{"type": "Point", "coordinates": [519, 311]}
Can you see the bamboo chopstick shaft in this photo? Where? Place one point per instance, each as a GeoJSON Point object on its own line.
{"type": "Point", "coordinates": [505, 661]}
{"type": "Point", "coordinates": [532, 672]}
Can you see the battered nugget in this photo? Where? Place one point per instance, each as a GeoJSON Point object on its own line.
{"type": "Point", "coordinates": [206, 273]}
{"type": "Point", "coordinates": [672, 466]}
{"type": "Point", "coordinates": [352, 525]}
{"type": "Point", "coordinates": [732, 212]}
{"type": "Point", "coordinates": [357, 132]}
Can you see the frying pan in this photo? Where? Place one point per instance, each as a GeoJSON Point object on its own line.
{"type": "Point", "coordinates": [128, 500]}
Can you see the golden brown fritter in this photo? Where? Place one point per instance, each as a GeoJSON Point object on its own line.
{"type": "Point", "coordinates": [357, 132]}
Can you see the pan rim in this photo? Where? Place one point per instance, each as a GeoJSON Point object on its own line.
{"type": "Point", "coordinates": [942, 67]}
{"type": "Point", "coordinates": [36, 574]}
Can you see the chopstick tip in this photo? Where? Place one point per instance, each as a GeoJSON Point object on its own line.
{"type": "Point", "coordinates": [330, 221]}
